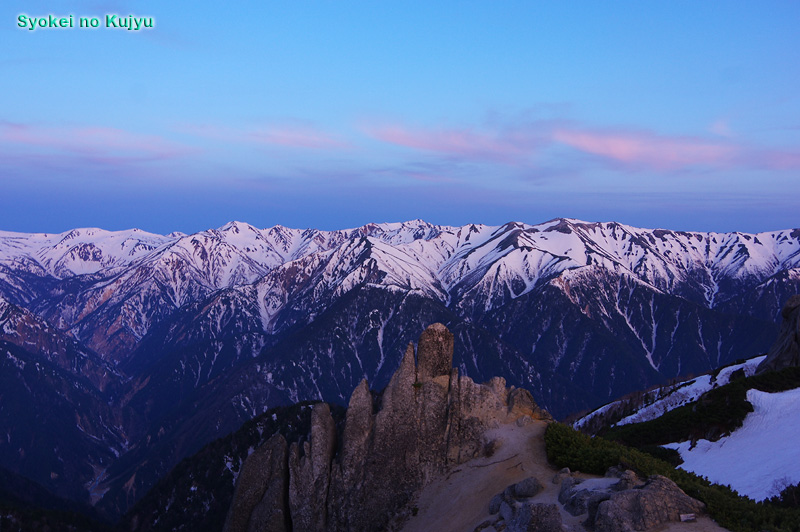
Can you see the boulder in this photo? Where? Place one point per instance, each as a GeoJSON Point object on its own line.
{"type": "Point", "coordinates": [660, 500]}
{"type": "Point", "coordinates": [536, 518]}
{"type": "Point", "coordinates": [527, 488]}
{"type": "Point", "coordinates": [568, 489]}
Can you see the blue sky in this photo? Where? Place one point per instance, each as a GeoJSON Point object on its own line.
{"type": "Point", "coordinates": [683, 115]}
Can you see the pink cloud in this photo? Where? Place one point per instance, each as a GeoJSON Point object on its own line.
{"type": "Point", "coordinates": [288, 136]}
{"type": "Point", "coordinates": [625, 148]}
{"type": "Point", "coordinates": [500, 147]}
{"type": "Point", "coordinates": [99, 142]}
{"type": "Point", "coordinates": [648, 149]}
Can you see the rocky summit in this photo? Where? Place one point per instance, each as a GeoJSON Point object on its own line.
{"type": "Point", "coordinates": [428, 420]}
{"type": "Point", "coordinates": [427, 453]}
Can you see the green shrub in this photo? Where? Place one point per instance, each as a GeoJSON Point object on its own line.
{"type": "Point", "coordinates": [789, 497]}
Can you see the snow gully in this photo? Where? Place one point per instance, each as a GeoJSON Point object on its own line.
{"type": "Point", "coordinates": [130, 22]}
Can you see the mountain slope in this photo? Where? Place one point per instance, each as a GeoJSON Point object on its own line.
{"type": "Point", "coordinates": [764, 449]}
{"type": "Point", "coordinates": [733, 427]}
{"type": "Point", "coordinates": [56, 428]}
{"type": "Point", "coordinates": [189, 335]}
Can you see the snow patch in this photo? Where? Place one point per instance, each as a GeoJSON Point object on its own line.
{"type": "Point", "coordinates": [758, 459]}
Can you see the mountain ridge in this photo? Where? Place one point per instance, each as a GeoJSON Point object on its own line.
{"type": "Point", "coordinates": [235, 320]}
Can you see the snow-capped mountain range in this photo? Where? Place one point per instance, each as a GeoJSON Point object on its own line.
{"type": "Point", "coordinates": [189, 335]}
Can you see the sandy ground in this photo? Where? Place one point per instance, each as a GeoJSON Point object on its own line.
{"type": "Point", "coordinates": [460, 501]}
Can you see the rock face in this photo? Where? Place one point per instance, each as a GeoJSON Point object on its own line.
{"type": "Point", "coordinates": [260, 501]}
{"type": "Point", "coordinates": [785, 351]}
{"type": "Point", "coordinates": [309, 472]}
{"type": "Point", "coordinates": [435, 352]}
{"type": "Point", "coordinates": [428, 420]}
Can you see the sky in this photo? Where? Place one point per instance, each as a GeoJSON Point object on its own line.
{"type": "Point", "coordinates": [334, 114]}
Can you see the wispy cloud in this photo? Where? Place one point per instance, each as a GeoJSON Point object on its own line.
{"type": "Point", "coordinates": [290, 136]}
{"type": "Point", "coordinates": [642, 149]}
{"type": "Point", "coordinates": [647, 149]}
{"type": "Point", "coordinates": [103, 143]}
{"type": "Point", "coordinates": [504, 146]}
{"type": "Point", "coordinates": [535, 144]}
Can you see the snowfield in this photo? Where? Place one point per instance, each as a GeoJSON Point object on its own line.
{"type": "Point", "coordinates": [759, 459]}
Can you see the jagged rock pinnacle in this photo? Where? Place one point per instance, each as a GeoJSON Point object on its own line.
{"type": "Point", "coordinates": [430, 420]}
{"type": "Point", "coordinates": [435, 352]}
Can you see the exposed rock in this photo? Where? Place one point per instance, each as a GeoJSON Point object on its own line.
{"type": "Point", "coordinates": [583, 496]}
{"type": "Point", "coordinates": [515, 514]}
{"type": "Point", "coordinates": [486, 526]}
{"type": "Point", "coordinates": [582, 501]}
{"type": "Point", "coordinates": [524, 421]}
{"type": "Point", "coordinates": [472, 409]}
{"type": "Point", "coordinates": [621, 503]}
{"type": "Point", "coordinates": [627, 480]}
{"type": "Point", "coordinates": [435, 352]}
{"type": "Point", "coordinates": [527, 488]}
{"type": "Point", "coordinates": [561, 475]}
{"type": "Point", "coordinates": [429, 420]}
{"type": "Point", "coordinates": [507, 511]}
{"type": "Point", "coordinates": [494, 504]}
{"type": "Point", "coordinates": [659, 501]}
{"type": "Point", "coordinates": [521, 403]}
{"type": "Point", "coordinates": [347, 474]}
{"type": "Point", "coordinates": [536, 518]}
{"type": "Point", "coordinates": [785, 351]}
{"type": "Point", "coordinates": [567, 488]}
{"type": "Point", "coordinates": [309, 475]}
{"type": "Point", "coordinates": [260, 500]}
{"type": "Point", "coordinates": [498, 387]}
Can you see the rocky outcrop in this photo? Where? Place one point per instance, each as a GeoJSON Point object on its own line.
{"type": "Point", "coordinates": [620, 502]}
{"type": "Point", "coordinates": [659, 501]}
{"type": "Point", "coordinates": [260, 500]}
{"type": "Point", "coordinates": [436, 353]}
{"type": "Point", "coordinates": [515, 513]}
{"type": "Point", "coordinates": [785, 351]}
{"type": "Point", "coordinates": [309, 472]}
{"type": "Point", "coordinates": [428, 419]}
